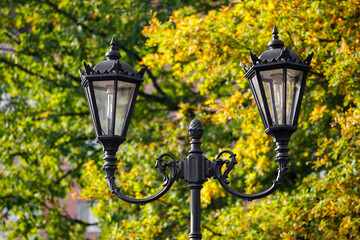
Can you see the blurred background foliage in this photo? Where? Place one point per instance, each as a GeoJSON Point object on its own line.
{"type": "Point", "coordinates": [193, 49]}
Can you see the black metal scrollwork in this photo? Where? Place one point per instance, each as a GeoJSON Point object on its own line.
{"type": "Point", "coordinates": [168, 180]}
{"type": "Point", "coordinates": [222, 177]}
{"type": "Point", "coordinates": [229, 164]}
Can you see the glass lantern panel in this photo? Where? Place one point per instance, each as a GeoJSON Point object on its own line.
{"type": "Point", "coordinates": [293, 85]}
{"type": "Point", "coordinates": [125, 93]}
{"type": "Point", "coordinates": [256, 87]}
{"type": "Point", "coordinates": [90, 103]}
{"type": "Point", "coordinates": [273, 87]}
{"type": "Point", "coordinates": [267, 90]}
{"type": "Point", "coordinates": [104, 95]}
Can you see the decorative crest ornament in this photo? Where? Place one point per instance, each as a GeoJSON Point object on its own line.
{"type": "Point", "coordinates": [285, 55]}
{"type": "Point", "coordinates": [245, 68]}
{"type": "Point", "coordinates": [141, 73]}
{"type": "Point", "coordinates": [254, 59]}
{"type": "Point", "coordinates": [88, 69]}
{"type": "Point", "coordinates": [308, 59]}
{"type": "Point", "coordinates": [116, 67]}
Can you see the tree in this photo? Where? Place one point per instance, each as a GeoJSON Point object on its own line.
{"type": "Point", "coordinates": [47, 135]}
{"type": "Point", "coordinates": [207, 50]}
{"type": "Point", "coordinates": [194, 58]}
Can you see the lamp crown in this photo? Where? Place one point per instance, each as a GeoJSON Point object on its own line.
{"type": "Point", "coordinates": [112, 54]}
{"type": "Point", "coordinates": [275, 42]}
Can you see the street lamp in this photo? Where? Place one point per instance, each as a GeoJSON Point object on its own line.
{"type": "Point", "coordinates": [277, 79]}
{"type": "Point", "coordinates": [111, 89]}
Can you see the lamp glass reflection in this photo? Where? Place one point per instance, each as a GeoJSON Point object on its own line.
{"type": "Point", "coordinates": [272, 81]}
{"type": "Point", "coordinates": [105, 92]}
{"type": "Point", "coordinates": [256, 87]}
{"type": "Point", "coordinates": [125, 93]}
{"type": "Point", "coordinates": [293, 84]}
{"type": "Point", "coordinates": [104, 95]}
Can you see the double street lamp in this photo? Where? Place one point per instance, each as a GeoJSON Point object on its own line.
{"type": "Point", "coordinates": [277, 79]}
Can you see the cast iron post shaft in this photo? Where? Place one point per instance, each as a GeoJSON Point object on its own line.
{"type": "Point", "coordinates": [196, 168]}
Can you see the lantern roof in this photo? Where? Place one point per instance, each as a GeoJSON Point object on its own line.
{"type": "Point", "coordinates": [275, 54]}
{"type": "Point", "coordinates": [276, 49]}
{"type": "Point", "coordinates": [112, 65]}
{"type": "Point", "coordinates": [112, 57]}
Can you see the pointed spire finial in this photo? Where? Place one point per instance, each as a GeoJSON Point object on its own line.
{"type": "Point", "coordinates": [275, 42]}
{"type": "Point", "coordinates": [112, 54]}
{"type": "Point", "coordinates": [275, 32]}
{"type": "Point", "coordinates": [113, 42]}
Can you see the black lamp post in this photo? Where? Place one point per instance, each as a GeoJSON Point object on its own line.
{"type": "Point", "coordinates": [277, 79]}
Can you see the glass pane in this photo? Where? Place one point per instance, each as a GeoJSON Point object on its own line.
{"type": "Point", "coordinates": [293, 84]}
{"type": "Point", "coordinates": [84, 212]}
{"type": "Point", "coordinates": [125, 93]}
{"type": "Point", "coordinates": [104, 95]}
{"type": "Point", "coordinates": [89, 100]}
{"type": "Point", "coordinates": [273, 87]}
{"type": "Point", "coordinates": [268, 89]}
{"type": "Point", "coordinates": [258, 94]}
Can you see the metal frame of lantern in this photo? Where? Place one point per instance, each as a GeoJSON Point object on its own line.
{"type": "Point", "coordinates": [285, 60]}
{"type": "Point", "coordinates": [195, 169]}
{"type": "Point", "coordinates": [286, 63]}
{"type": "Point", "coordinates": [111, 71]}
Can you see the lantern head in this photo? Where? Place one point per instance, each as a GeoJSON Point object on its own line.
{"type": "Point", "coordinates": [277, 79]}
{"type": "Point", "coordinates": [111, 89]}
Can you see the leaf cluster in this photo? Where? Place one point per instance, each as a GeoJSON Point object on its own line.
{"type": "Point", "coordinates": [193, 49]}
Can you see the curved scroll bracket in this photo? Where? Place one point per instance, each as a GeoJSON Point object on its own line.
{"type": "Point", "coordinates": [162, 168]}
{"type": "Point", "coordinates": [229, 165]}
{"type": "Point", "coordinates": [110, 167]}
{"type": "Point", "coordinates": [218, 163]}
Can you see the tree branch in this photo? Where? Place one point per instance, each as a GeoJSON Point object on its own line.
{"type": "Point", "coordinates": [102, 34]}
{"type": "Point", "coordinates": [292, 42]}
{"type": "Point", "coordinates": [56, 67]}
{"type": "Point", "coordinates": [317, 74]}
{"type": "Point", "coordinates": [71, 17]}
{"type": "Point", "coordinates": [6, 196]}
{"type": "Point", "coordinates": [68, 218]}
{"type": "Point", "coordinates": [68, 173]}
{"type": "Point", "coordinates": [74, 170]}
{"type": "Point", "coordinates": [210, 230]}
{"type": "Point", "coordinates": [86, 28]}
{"type": "Point", "coordinates": [7, 49]}
{"type": "Point", "coordinates": [61, 70]}
{"type": "Point", "coordinates": [170, 105]}
{"type": "Point", "coordinates": [329, 40]}
{"type": "Point", "coordinates": [62, 114]}
{"type": "Point", "coordinates": [13, 64]}
{"type": "Point", "coordinates": [151, 97]}
{"type": "Point", "coordinates": [156, 85]}
{"type": "Point", "coordinates": [22, 68]}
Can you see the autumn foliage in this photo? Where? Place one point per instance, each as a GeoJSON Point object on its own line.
{"type": "Point", "coordinates": [193, 49]}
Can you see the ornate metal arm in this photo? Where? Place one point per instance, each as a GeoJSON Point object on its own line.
{"type": "Point", "coordinates": [282, 158]}
{"type": "Point", "coordinates": [195, 170]}
{"type": "Point", "coordinates": [110, 167]}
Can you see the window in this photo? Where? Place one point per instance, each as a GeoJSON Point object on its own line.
{"type": "Point", "coordinates": [84, 213]}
